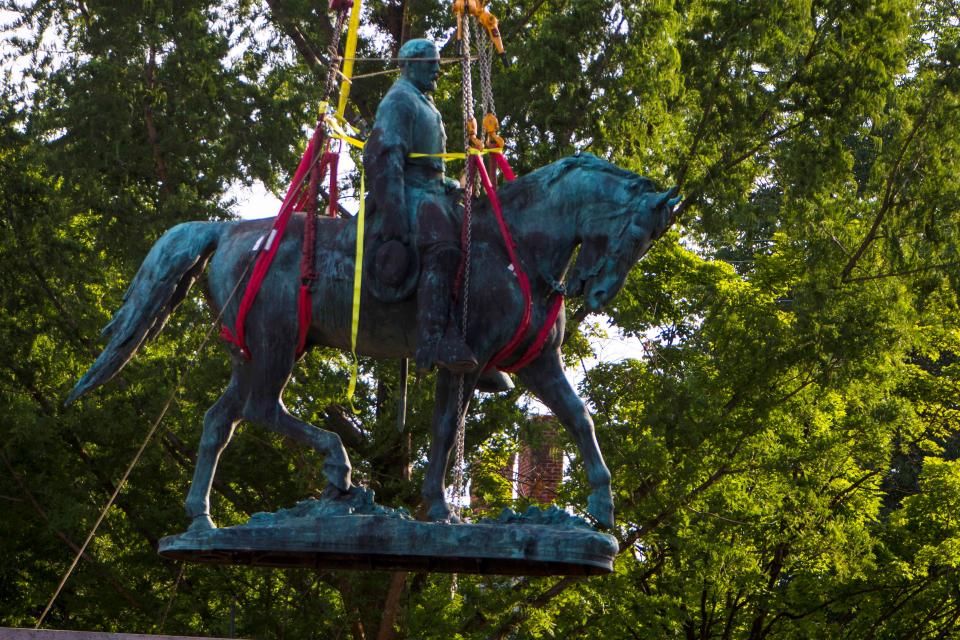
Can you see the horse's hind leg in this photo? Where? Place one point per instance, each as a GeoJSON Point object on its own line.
{"type": "Point", "coordinates": [336, 463]}
{"type": "Point", "coordinates": [218, 425]}
{"type": "Point", "coordinates": [544, 377]}
{"type": "Point", "coordinates": [267, 375]}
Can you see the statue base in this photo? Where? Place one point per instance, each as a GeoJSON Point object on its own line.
{"type": "Point", "coordinates": [339, 534]}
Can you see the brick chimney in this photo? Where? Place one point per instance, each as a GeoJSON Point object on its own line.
{"type": "Point", "coordinates": [535, 474]}
{"type": "Point", "coordinates": [540, 468]}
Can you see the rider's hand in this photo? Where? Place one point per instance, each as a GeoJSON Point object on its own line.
{"type": "Point", "coordinates": [452, 186]}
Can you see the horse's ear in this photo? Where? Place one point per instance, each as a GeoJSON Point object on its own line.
{"type": "Point", "coordinates": [661, 199]}
{"type": "Point", "coordinates": [675, 197]}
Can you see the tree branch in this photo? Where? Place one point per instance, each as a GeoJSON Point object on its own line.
{"type": "Point", "coordinates": [908, 272]}
{"type": "Point", "coordinates": [307, 49]}
{"type": "Point", "coordinates": [837, 499]}
{"type": "Point", "coordinates": [521, 611]}
{"type": "Point", "coordinates": [337, 419]}
{"type": "Point", "coordinates": [704, 119]}
{"type": "Point", "coordinates": [152, 138]}
{"type": "Point", "coordinates": [758, 122]}
{"type": "Point", "coordinates": [97, 566]}
{"type": "Point", "coordinates": [522, 22]}
{"type": "Point", "coordinates": [392, 606]}
{"type": "Point", "coordinates": [63, 315]}
{"type": "Point", "coordinates": [25, 379]}
{"type": "Point", "coordinates": [889, 191]}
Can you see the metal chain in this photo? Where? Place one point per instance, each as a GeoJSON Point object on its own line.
{"type": "Point", "coordinates": [333, 52]}
{"type": "Point", "coordinates": [465, 69]}
{"type": "Point", "coordinates": [465, 285]}
{"type": "Point", "coordinates": [317, 169]}
{"type": "Point", "coordinates": [486, 86]}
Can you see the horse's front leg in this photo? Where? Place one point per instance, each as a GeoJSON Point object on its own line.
{"type": "Point", "coordinates": [544, 377]}
{"type": "Point", "coordinates": [448, 407]}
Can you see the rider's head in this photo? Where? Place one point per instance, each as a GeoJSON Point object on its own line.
{"type": "Point", "coordinates": [420, 62]}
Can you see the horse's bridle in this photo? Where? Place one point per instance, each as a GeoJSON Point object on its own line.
{"type": "Point", "coordinates": [582, 311]}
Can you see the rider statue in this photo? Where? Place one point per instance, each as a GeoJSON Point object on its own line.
{"type": "Point", "coordinates": [414, 201]}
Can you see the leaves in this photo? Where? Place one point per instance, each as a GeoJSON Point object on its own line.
{"type": "Point", "coordinates": [784, 453]}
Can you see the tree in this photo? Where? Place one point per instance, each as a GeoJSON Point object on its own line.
{"type": "Point", "coordinates": [784, 458]}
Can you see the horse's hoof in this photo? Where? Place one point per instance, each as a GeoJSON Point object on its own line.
{"type": "Point", "coordinates": [601, 508]}
{"type": "Point", "coordinates": [332, 492]}
{"type": "Point", "coordinates": [338, 475]}
{"type": "Point", "coordinates": [201, 523]}
{"type": "Point", "coordinates": [442, 512]}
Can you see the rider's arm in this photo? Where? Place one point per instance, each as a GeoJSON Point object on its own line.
{"type": "Point", "coordinates": [384, 157]}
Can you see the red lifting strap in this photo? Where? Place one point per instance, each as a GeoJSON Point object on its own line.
{"type": "Point", "coordinates": [505, 169]}
{"type": "Point", "coordinates": [296, 199]}
{"type": "Point", "coordinates": [537, 346]}
{"type": "Point", "coordinates": [308, 270]}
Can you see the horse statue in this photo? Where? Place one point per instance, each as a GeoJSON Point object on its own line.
{"type": "Point", "coordinates": [613, 215]}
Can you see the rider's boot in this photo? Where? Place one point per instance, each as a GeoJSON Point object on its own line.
{"type": "Point", "coordinates": [440, 341]}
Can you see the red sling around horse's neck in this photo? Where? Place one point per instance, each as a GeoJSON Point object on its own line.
{"type": "Point", "coordinates": [537, 346]}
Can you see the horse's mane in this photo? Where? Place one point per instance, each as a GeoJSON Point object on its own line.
{"type": "Point", "coordinates": [556, 170]}
{"type": "Point", "coordinates": [526, 188]}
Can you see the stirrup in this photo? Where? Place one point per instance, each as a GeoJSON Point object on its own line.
{"type": "Point", "coordinates": [449, 352]}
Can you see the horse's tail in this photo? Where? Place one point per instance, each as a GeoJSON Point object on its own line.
{"type": "Point", "coordinates": [166, 275]}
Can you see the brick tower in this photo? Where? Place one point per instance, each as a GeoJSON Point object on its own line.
{"type": "Point", "coordinates": [540, 468]}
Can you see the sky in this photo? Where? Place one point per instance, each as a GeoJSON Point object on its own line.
{"type": "Point", "coordinates": [254, 202]}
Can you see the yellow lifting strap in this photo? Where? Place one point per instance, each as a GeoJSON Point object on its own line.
{"type": "Point", "coordinates": [337, 132]}
{"type": "Point", "coordinates": [349, 54]}
{"type": "Point", "coordinates": [457, 155]}
{"type": "Point", "coordinates": [355, 312]}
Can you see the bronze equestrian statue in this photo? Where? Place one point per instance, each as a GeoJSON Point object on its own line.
{"type": "Point", "coordinates": [611, 214]}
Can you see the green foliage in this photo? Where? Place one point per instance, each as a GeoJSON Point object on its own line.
{"type": "Point", "coordinates": [785, 455]}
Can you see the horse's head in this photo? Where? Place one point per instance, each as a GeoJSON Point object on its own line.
{"type": "Point", "coordinates": [618, 233]}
